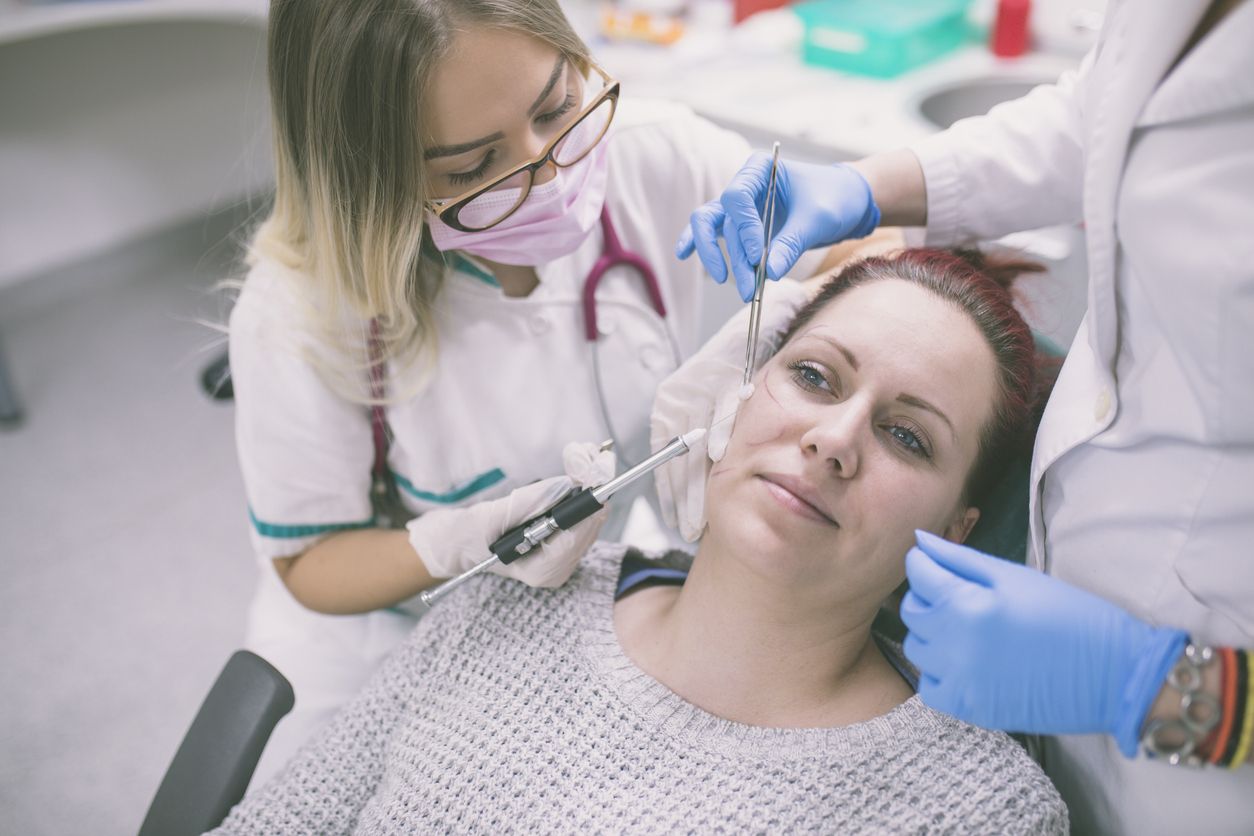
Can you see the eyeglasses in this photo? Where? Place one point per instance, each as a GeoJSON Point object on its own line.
{"type": "Point", "coordinates": [487, 205]}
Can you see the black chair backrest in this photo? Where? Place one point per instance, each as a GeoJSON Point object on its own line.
{"type": "Point", "coordinates": [216, 759]}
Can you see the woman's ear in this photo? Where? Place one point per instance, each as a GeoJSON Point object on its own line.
{"type": "Point", "coordinates": [958, 530]}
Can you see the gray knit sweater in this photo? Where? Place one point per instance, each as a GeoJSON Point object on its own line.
{"type": "Point", "coordinates": [514, 709]}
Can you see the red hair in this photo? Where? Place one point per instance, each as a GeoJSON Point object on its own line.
{"type": "Point", "coordinates": [981, 286]}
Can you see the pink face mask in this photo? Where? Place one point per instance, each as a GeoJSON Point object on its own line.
{"type": "Point", "coordinates": [552, 222]}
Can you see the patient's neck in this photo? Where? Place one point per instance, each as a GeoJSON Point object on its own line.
{"type": "Point", "coordinates": [757, 652]}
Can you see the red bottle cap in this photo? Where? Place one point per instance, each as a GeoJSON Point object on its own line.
{"type": "Point", "coordinates": [1010, 30]}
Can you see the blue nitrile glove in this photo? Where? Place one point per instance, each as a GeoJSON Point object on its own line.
{"type": "Point", "coordinates": [1005, 647]}
{"type": "Point", "coordinates": [815, 206]}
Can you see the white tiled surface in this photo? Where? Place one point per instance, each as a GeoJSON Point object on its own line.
{"type": "Point", "coordinates": [123, 537]}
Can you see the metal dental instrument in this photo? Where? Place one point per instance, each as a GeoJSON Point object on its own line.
{"type": "Point", "coordinates": [755, 307]}
{"type": "Point", "coordinates": [571, 510]}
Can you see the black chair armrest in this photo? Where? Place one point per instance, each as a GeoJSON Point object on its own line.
{"type": "Point", "coordinates": [216, 759]}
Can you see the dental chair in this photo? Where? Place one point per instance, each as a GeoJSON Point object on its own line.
{"type": "Point", "coordinates": [213, 765]}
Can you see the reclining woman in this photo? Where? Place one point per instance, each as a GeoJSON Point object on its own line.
{"type": "Point", "coordinates": [754, 695]}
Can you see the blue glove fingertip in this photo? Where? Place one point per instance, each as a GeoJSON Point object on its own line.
{"type": "Point", "coordinates": [964, 561]}
{"type": "Point", "coordinates": [777, 265]}
{"type": "Point", "coordinates": [913, 558]}
{"type": "Point", "coordinates": [913, 647]}
{"type": "Point", "coordinates": [915, 614]}
{"type": "Point", "coordinates": [712, 259]}
{"type": "Point", "coordinates": [739, 266]}
{"type": "Point", "coordinates": [685, 246]}
{"type": "Point", "coordinates": [704, 225]}
{"type": "Point", "coordinates": [751, 242]}
{"type": "Point", "coordinates": [869, 223]}
{"type": "Point", "coordinates": [932, 582]}
{"type": "Point", "coordinates": [927, 538]}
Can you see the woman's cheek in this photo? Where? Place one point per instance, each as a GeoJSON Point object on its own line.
{"type": "Point", "coordinates": [902, 502]}
{"type": "Point", "coordinates": [762, 418]}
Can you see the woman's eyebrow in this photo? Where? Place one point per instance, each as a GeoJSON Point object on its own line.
{"type": "Point", "coordinates": [911, 400]}
{"type": "Point", "coordinates": [548, 88]}
{"type": "Point", "coordinates": [463, 147]}
{"type": "Point", "coordinates": [460, 148]}
{"type": "Point", "coordinates": [849, 358]}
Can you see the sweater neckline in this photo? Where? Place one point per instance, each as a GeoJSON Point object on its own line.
{"type": "Point", "coordinates": [662, 711]}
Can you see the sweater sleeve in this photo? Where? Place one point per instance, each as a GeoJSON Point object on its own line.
{"type": "Point", "coordinates": [1021, 166]}
{"type": "Point", "coordinates": [326, 785]}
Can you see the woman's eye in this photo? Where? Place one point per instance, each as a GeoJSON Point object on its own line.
{"type": "Point", "coordinates": [567, 105]}
{"type": "Point", "coordinates": [910, 440]}
{"type": "Point", "coordinates": [809, 377]}
{"type": "Point", "coordinates": [464, 177]}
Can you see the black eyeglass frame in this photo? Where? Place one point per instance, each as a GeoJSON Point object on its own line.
{"type": "Point", "coordinates": [447, 209]}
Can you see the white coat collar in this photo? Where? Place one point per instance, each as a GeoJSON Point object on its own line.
{"type": "Point", "coordinates": [1139, 44]}
{"type": "Point", "coordinates": [1217, 75]}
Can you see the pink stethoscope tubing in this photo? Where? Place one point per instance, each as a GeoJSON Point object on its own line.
{"type": "Point", "coordinates": [614, 254]}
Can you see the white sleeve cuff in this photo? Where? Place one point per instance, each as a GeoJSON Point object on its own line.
{"type": "Point", "coordinates": [944, 189]}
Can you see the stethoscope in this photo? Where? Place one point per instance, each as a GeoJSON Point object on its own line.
{"type": "Point", "coordinates": [614, 254]}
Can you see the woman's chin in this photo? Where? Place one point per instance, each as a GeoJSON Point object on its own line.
{"type": "Point", "coordinates": [773, 544]}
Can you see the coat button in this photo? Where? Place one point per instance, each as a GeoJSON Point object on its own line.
{"type": "Point", "coordinates": [1102, 407]}
{"type": "Point", "coordinates": [540, 325]}
{"type": "Point", "coordinates": [606, 325]}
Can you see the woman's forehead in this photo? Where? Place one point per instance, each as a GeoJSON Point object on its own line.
{"type": "Point", "coordinates": [886, 316]}
{"type": "Point", "coordinates": [488, 79]}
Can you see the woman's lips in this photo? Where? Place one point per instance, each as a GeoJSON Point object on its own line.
{"type": "Point", "coordinates": [798, 497]}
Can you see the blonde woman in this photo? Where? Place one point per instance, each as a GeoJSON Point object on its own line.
{"type": "Point", "coordinates": [449, 174]}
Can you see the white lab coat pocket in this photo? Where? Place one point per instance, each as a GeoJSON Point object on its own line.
{"type": "Point", "coordinates": [1214, 563]}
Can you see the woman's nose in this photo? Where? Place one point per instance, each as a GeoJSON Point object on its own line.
{"type": "Point", "coordinates": [534, 148]}
{"type": "Point", "coordinates": [838, 435]}
{"type": "Point", "coordinates": [546, 173]}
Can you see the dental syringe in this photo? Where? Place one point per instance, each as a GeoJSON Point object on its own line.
{"type": "Point", "coordinates": [571, 510]}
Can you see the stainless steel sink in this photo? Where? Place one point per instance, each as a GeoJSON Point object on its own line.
{"type": "Point", "coordinates": [971, 97]}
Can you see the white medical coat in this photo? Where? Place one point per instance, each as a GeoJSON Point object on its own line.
{"type": "Point", "coordinates": [513, 384]}
{"type": "Point", "coordinates": [1143, 473]}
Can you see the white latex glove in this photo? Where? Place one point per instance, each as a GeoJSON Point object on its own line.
{"type": "Point", "coordinates": [450, 541]}
{"type": "Point", "coordinates": [705, 392]}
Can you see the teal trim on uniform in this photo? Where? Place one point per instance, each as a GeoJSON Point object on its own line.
{"type": "Point", "coordinates": [480, 482]}
{"type": "Point", "coordinates": [266, 529]}
{"type": "Point", "coordinates": [399, 611]}
{"type": "Point", "coordinates": [471, 269]}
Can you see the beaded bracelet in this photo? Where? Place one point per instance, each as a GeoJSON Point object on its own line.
{"type": "Point", "coordinates": [1176, 738]}
{"type": "Point", "coordinates": [1228, 692]}
{"type": "Point", "coordinates": [1234, 749]}
{"type": "Point", "coordinates": [1207, 730]}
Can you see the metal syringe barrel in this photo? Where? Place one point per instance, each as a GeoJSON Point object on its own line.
{"type": "Point", "coordinates": [678, 446]}
{"type": "Point", "coordinates": [583, 503]}
{"type": "Point", "coordinates": [569, 512]}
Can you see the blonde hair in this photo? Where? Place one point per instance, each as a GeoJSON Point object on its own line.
{"type": "Point", "coordinates": [346, 81]}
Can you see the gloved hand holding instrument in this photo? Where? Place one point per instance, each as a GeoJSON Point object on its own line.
{"type": "Point", "coordinates": [553, 521]}
{"type": "Point", "coordinates": [816, 206]}
{"type": "Point", "coordinates": [708, 389]}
